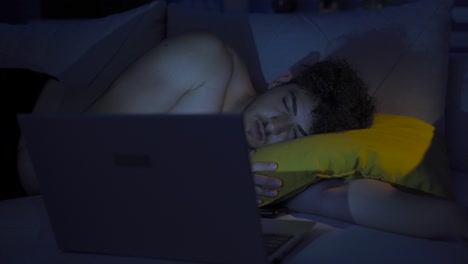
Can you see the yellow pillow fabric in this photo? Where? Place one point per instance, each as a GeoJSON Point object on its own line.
{"type": "Point", "coordinates": [401, 150]}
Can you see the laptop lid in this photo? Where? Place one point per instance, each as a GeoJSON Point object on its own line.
{"type": "Point", "coordinates": [159, 186]}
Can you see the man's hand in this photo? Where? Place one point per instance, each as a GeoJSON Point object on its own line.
{"type": "Point", "coordinates": [265, 185]}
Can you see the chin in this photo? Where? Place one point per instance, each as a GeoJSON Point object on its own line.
{"type": "Point", "coordinates": [256, 145]}
{"type": "Point", "coordinates": [253, 144]}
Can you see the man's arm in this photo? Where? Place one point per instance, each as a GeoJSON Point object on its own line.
{"type": "Point", "coordinates": [379, 205]}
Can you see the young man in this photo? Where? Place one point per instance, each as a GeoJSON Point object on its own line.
{"type": "Point", "coordinates": [197, 73]}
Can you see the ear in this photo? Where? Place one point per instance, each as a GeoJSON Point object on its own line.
{"type": "Point", "coordinates": [280, 80]}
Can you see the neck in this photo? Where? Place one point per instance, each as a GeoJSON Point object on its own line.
{"type": "Point", "coordinates": [239, 105]}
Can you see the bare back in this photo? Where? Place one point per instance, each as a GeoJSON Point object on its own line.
{"type": "Point", "coordinates": [193, 73]}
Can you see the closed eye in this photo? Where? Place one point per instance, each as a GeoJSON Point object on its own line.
{"type": "Point", "coordinates": [285, 104]}
{"type": "Point", "coordinates": [302, 131]}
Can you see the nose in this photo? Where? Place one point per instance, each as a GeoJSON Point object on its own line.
{"type": "Point", "coordinates": [279, 124]}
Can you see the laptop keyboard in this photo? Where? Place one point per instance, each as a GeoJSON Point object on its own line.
{"type": "Point", "coordinates": [275, 241]}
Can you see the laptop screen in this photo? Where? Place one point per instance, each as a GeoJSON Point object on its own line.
{"type": "Point", "coordinates": [162, 186]}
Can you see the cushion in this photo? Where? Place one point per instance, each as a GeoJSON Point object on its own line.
{"type": "Point", "coordinates": [400, 150]}
{"type": "Point", "coordinates": [400, 51]}
{"type": "Point", "coordinates": [94, 72]}
{"type": "Point", "coordinates": [52, 46]}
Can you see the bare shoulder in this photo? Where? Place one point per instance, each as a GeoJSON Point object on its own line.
{"type": "Point", "coordinates": [170, 72]}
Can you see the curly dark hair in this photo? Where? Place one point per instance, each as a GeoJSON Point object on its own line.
{"type": "Point", "coordinates": [343, 99]}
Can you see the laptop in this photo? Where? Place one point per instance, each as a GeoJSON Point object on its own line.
{"type": "Point", "coordinates": [171, 187]}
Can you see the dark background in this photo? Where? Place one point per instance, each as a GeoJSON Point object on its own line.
{"type": "Point", "coordinates": [20, 11]}
{"type": "Point", "coordinates": [20, 90]}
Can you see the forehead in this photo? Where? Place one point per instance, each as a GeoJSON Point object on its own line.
{"type": "Point", "coordinates": [288, 89]}
{"type": "Point", "coordinates": [306, 102]}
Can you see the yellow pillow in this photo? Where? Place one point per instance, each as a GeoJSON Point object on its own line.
{"type": "Point", "coordinates": [401, 150]}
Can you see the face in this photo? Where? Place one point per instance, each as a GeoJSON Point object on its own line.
{"type": "Point", "coordinates": [282, 113]}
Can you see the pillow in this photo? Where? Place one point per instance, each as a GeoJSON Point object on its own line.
{"type": "Point", "coordinates": [52, 46]}
{"type": "Point", "coordinates": [94, 72]}
{"type": "Point", "coordinates": [400, 51]}
{"type": "Point", "coordinates": [400, 150]}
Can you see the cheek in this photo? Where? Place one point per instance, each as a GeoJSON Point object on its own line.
{"type": "Point", "coordinates": [266, 107]}
{"type": "Point", "coordinates": [255, 109]}
{"type": "Point", "coordinates": [272, 139]}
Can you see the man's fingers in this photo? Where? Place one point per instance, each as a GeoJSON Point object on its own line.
{"type": "Point", "coordinates": [264, 166]}
{"type": "Point", "coordinates": [265, 192]}
{"type": "Point", "coordinates": [264, 185]}
{"type": "Point", "coordinates": [267, 181]}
